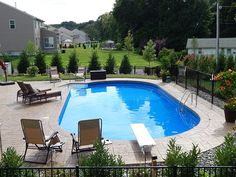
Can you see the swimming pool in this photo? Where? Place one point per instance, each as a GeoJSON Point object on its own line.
{"type": "Point", "coordinates": [121, 103]}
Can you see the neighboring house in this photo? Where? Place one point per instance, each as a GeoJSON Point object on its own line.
{"type": "Point", "coordinates": [109, 44]}
{"type": "Point", "coordinates": [75, 36]}
{"type": "Point", "coordinates": [17, 28]}
{"type": "Point", "coordinates": [207, 46]}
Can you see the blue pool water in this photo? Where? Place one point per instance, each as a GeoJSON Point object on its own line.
{"type": "Point", "coordinates": [120, 104]}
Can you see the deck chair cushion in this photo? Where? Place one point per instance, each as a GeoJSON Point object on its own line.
{"type": "Point", "coordinates": [30, 89]}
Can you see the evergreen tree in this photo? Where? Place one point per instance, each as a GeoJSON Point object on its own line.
{"type": "Point", "coordinates": [149, 52]}
{"type": "Point", "coordinates": [125, 66]}
{"type": "Point", "coordinates": [56, 61]}
{"type": "Point", "coordinates": [40, 62]}
{"type": "Point", "coordinates": [128, 41]}
{"type": "Point", "coordinates": [94, 64]}
{"type": "Point", "coordinates": [23, 63]}
{"type": "Point", "coordinates": [73, 63]}
{"type": "Point", "coordinates": [110, 64]}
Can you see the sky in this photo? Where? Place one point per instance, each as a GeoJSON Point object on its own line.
{"type": "Point", "coordinates": [57, 11]}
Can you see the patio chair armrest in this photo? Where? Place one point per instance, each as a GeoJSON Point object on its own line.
{"type": "Point", "coordinates": [44, 90]}
{"type": "Point", "coordinates": [73, 137]}
{"type": "Point", "coordinates": [52, 136]}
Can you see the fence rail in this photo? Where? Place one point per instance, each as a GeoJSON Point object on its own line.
{"type": "Point", "coordinates": [202, 83]}
{"type": "Point", "coordinates": [121, 171]}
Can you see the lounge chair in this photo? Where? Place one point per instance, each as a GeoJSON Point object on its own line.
{"type": "Point", "coordinates": [81, 73]}
{"type": "Point", "coordinates": [35, 139]}
{"type": "Point", "coordinates": [89, 132]}
{"type": "Point", "coordinates": [39, 95]}
{"type": "Point", "coordinates": [23, 92]}
{"type": "Point", "coordinates": [54, 75]}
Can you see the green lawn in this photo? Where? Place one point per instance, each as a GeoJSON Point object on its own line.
{"type": "Point", "coordinates": [84, 57]}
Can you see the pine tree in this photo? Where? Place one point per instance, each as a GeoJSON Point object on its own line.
{"type": "Point", "coordinates": [125, 66]}
{"type": "Point", "coordinates": [94, 64]}
{"type": "Point", "coordinates": [56, 61]}
{"type": "Point", "coordinates": [40, 62]}
{"type": "Point", "coordinates": [110, 64]}
{"type": "Point", "coordinates": [23, 63]}
{"type": "Point", "coordinates": [73, 63]}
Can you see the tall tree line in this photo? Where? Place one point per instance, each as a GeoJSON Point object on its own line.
{"type": "Point", "coordinates": [172, 20]}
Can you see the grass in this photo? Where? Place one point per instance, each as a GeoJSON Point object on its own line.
{"type": "Point", "coordinates": [70, 77]}
{"type": "Point", "coordinates": [84, 57]}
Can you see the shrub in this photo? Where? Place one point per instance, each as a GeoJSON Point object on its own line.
{"type": "Point", "coordinates": [125, 66]}
{"type": "Point", "coordinates": [32, 71]}
{"type": "Point", "coordinates": [56, 61]}
{"type": "Point", "coordinates": [73, 63]}
{"type": "Point", "coordinates": [10, 159]}
{"type": "Point", "coordinates": [110, 64]}
{"type": "Point", "coordinates": [101, 157]}
{"type": "Point", "coordinates": [40, 62]}
{"type": "Point", "coordinates": [23, 63]}
{"type": "Point", "coordinates": [118, 46]}
{"type": "Point", "coordinates": [230, 62]}
{"type": "Point", "coordinates": [226, 154]}
{"type": "Point", "coordinates": [176, 157]}
{"type": "Point", "coordinates": [227, 84]}
{"type": "Point", "coordinates": [94, 64]}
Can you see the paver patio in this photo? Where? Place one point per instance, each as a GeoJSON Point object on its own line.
{"type": "Point", "coordinates": [207, 134]}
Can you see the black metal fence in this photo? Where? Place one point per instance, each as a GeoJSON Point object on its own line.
{"type": "Point", "coordinates": [202, 83]}
{"type": "Point", "coordinates": [121, 171]}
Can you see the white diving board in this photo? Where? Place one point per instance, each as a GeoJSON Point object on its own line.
{"type": "Point", "coordinates": [145, 141]}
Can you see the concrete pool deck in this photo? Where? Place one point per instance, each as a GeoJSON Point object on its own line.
{"type": "Point", "coordinates": [207, 134]}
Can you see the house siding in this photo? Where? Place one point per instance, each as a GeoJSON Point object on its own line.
{"type": "Point", "coordinates": [44, 33]}
{"type": "Point", "coordinates": [13, 41]}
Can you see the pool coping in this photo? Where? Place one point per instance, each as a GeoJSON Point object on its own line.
{"type": "Point", "coordinates": [208, 134]}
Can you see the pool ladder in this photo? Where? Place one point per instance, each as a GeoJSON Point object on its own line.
{"type": "Point", "coordinates": [185, 97]}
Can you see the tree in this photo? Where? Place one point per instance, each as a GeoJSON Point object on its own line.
{"type": "Point", "coordinates": [128, 41]}
{"type": "Point", "coordinates": [125, 67]}
{"type": "Point", "coordinates": [149, 52]}
{"type": "Point", "coordinates": [73, 63]}
{"type": "Point", "coordinates": [30, 48]}
{"type": "Point", "coordinates": [110, 64]}
{"type": "Point", "coordinates": [23, 63]}
{"type": "Point", "coordinates": [40, 62]}
{"type": "Point", "coordinates": [56, 61]}
{"type": "Point", "coordinates": [94, 64]}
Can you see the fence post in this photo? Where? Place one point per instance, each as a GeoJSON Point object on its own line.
{"type": "Point", "coordinates": [197, 82]}
{"type": "Point", "coordinates": [77, 171]}
{"type": "Point", "coordinates": [134, 69]}
{"type": "Point", "coordinates": [174, 171]}
{"type": "Point", "coordinates": [212, 88]}
{"type": "Point", "coordinates": [186, 76]}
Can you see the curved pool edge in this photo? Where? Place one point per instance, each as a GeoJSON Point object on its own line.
{"type": "Point", "coordinates": [207, 134]}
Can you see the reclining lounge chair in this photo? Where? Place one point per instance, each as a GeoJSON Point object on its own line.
{"type": "Point", "coordinates": [89, 132]}
{"type": "Point", "coordinates": [39, 95]}
{"type": "Point", "coordinates": [35, 139]}
{"type": "Point", "coordinates": [23, 92]}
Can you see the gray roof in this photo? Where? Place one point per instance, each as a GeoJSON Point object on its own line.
{"type": "Point", "coordinates": [21, 11]}
{"type": "Point", "coordinates": [211, 43]}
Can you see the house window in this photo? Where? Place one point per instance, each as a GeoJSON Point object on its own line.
{"type": "Point", "coordinates": [48, 42]}
{"type": "Point", "coordinates": [12, 24]}
{"type": "Point", "coordinates": [228, 51]}
{"type": "Point", "coordinates": [199, 51]}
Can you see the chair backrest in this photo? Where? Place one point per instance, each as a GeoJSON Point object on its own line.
{"type": "Point", "coordinates": [22, 87]}
{"type": "Point", "coordinates": [53, 70]}
{"type": "Point", "coordinates": [30, 89]}
{"type": "Point", "coordinates": [81, 70]}
{"type": "Point", "coordinates": [33, 131]}
{"type": "Point", "coordinates": [89, 131]}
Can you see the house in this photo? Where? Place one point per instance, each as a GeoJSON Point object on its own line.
{"type": "Point", "coordinates": [17, 28]}
{"type": "Point", "coordinates": [207, 46]}
{"type": "Point", "coordinates": [75, 36]}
